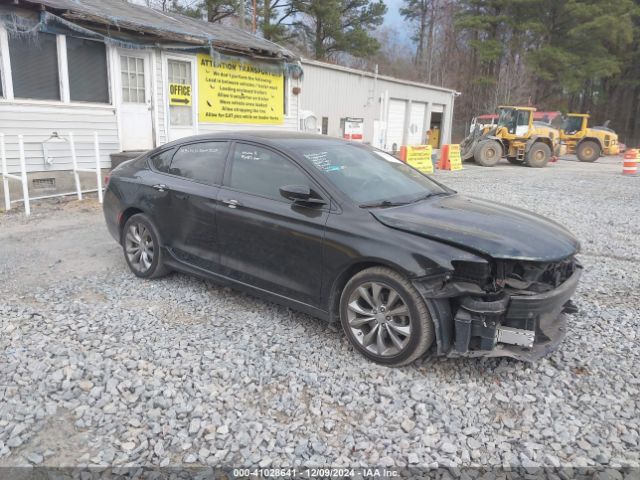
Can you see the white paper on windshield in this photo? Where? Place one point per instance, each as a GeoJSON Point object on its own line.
{"type": "Point", "coordinates": [321, 161]}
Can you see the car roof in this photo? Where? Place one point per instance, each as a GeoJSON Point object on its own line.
{"type": "Point", "coordinates": [272, 137]}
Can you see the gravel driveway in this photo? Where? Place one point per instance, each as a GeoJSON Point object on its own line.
{"type": "Point", "coordinates": [100, 367]}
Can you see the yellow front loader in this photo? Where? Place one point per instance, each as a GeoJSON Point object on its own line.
{"type": "Point", "coordinates": [516, 137]}
{"type": "Point", "coordinates": [588, 144]}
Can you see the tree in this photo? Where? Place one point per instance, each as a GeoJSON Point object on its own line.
{"type": "Point", "coordinates": [583, 44]}
{"type": "Point", "coordinates": [215, 10]}
{"type": "Point", "coordinates": [423, 14]}
{"type": "Point", "coordinates": [330, 27]}
{"type": "Point", "coordinates": [276, 18]}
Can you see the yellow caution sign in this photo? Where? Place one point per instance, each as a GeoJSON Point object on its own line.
{"type": "Point", "coordinates": [419, 157]}
{"type": "Point", "coordinates": [179, 94]}
{"type": "Point", "coordinates": [239, 92]}
{"type": "Point", "coordinates": [455, 161]}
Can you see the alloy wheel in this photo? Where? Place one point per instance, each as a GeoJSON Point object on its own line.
{"type": "Point", "coordinates": [379, 319]}
{"type": "Point", "coordinates": [139, 247]}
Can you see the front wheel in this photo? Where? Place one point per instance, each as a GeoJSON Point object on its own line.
{"type": "Point", "coordinates": [487, 153]}
{"type": "Point", "coordinates": [385, 318]}
{"type": "Point", "coordinates": [538, 155]}
{"type": "Point", "coordinates": [588, 151]}
{"type": "Point", "coordinates": [141, 245]}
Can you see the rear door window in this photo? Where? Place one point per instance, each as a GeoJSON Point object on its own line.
{"type": "Point", "coordinates": [202, 162]}
{"type": "Point", "coordinates": [162, 160]}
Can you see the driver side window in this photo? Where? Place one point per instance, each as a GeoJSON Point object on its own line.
{"type": "Point", "coordinates": [260, 171]}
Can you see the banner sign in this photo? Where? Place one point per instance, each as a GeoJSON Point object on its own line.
{"type": "Point", "coordinates": [179, 94]}
{"type": "Point", "coordinates": [419, 157]}
{"type": "Point", "coordinates": [235, 92]}
{"type": "Point", "coordinates": [454, 157]}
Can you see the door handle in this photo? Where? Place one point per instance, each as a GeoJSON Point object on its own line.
{"type": "Point", "coordinates": [231, 203]}
{"type": "Point", "coordinates": [161, 187]}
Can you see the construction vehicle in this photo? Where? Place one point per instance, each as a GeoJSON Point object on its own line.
{"type": "Point", "coordinates": [516, 137]}
{"type": "Point", "coordinates": [588, 144]}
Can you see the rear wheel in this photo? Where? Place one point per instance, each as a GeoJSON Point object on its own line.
{"type": "Point", "coordinates": [538, 155]}
{"type": "Point", "coordinates": [385, 318]}
{"type": "Point", "coordinates": [588, 151]}
{"type": "Point", "coordinates": [487, 153]}
{"type": "Point", "coordinates": [141, 245]}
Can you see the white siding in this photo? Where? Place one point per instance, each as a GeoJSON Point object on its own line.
{"type": "Point", "coordinates": [337, 92]}
{"type": "Point", "coordinates": [416, 128]}
{"type": "Point", "coordinates": [396, 124]}
{"type": "Point", "coordinates": [161, 101]}
{"type": "Point", "coordinates": [37, 122]}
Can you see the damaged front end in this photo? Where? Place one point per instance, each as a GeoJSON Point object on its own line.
{"type": "Point", "coordinates": [503, 308]}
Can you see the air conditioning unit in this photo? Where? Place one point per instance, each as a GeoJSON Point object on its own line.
{"type": "Point", "coordinates": [309, 122]}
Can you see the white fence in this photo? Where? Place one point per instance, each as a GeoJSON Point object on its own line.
{"type": "Point", "coordinates": [22, 177]}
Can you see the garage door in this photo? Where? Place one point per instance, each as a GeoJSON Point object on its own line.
{"type": "Point", "coordinates": [395, 123]}
{"type": "Point", "coordinates": [416, 123]}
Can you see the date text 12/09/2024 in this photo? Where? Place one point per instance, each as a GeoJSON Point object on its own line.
{"type": "Point", "coordinates": [314, 473]}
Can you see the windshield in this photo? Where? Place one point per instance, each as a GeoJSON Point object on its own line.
{"type": "Point", "coordinates": [506, 118]}
{"type": "Point", "coordinates": [572, 124]}
{"type": "Point", "coordinates": [367, 176]}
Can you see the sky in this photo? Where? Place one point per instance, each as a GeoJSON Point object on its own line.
{"type": "Point", "coordinates": [393, 15]}
{"type": "Point", "coordinates": [394, 20]}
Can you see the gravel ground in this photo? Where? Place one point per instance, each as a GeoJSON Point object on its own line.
{"type": "Point", "coordinates": [102, 368]}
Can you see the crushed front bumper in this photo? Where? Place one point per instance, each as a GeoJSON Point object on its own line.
{"type": "Point", "coordinates": [522, 326]}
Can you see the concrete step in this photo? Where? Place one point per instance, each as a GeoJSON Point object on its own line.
{"type": "Point", "coordinates": [118, 158]}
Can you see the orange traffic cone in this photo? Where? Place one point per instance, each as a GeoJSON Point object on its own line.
{"type": "Point", "coordinates": [630, 163]}
{"type": "Point", "coordinates": [403, 153]}
{"type": "Point", "coordinates": [444, 163]}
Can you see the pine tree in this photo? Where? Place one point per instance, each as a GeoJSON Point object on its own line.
{"type": "Point", "coordinates": [340, 26]}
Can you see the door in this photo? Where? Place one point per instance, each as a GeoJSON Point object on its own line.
{"type": "Point", "coordinates": [186, 190]}
{"type": "Point", "coordinates": [416, 124]}
{"type": "Point", "coordinates": [180, 95]}
{"type": "Point", "coordinates": [136, 122]}
{"type": "Point", "coordinates": [264, 239]}
{"type": "Point", "coordinates": [395, 124]}
{"type": "Point", "coordinates": [523, 118]}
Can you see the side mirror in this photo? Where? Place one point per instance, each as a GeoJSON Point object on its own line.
{"type": "Point", "coordinates": [300, 194]}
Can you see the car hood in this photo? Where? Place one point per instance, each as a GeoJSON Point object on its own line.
{"type": "Point", "coordinates": [500, 231]}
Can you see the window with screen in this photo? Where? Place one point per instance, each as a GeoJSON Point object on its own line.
{"type": "Point", "coordinates": [88, 74]}
{"type": "Point", "coordinates": [34, 66]}
{"type": "Point", "coordinates": [203, 162]}
{"type": "Point", "coordinates": [179, 72]}
{"type": "Point", "coordinates": [260, 171]}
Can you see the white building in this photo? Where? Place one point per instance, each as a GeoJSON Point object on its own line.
{"type": "Point", "coordinates": [394, 112]}
{"type": "Point", "coordinates": [136, 76]}
{"type": "Point", "coordinates": [140, 78]}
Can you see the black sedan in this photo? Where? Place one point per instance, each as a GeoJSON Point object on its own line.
{"type": "Point", "coordinates": [343, 231]}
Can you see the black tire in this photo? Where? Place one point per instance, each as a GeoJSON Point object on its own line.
{"type": "Point", "coordinates": [588, 151]}
{"type": "Point", "coordinates": [538, 155]}
{"type": "Point", "coordinates": [515, 161]}
{"type": "Point", "coordinates": [487, 153]}
{"type": "Point", "coordinates": [148, 238]}
{"type": "Point", "coordinates": [416, 324]}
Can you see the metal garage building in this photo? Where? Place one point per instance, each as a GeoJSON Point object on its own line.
{"type": "Point", "coordinates": [394, 112]}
